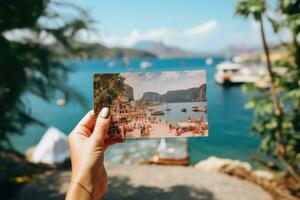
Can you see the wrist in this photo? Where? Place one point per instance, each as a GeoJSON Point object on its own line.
{"type": "Point", "coordinates": [78, 191]}
{"type": "Point", "coordinates": [89, 181]}
{"type": "Point", "coordinates": [84, 180]}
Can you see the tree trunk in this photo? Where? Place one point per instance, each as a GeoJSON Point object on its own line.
{"type": "Point", "coordinates": [280, 147]}
{"type": "Point", "coordinates": [277, 106]}
{"type": "Point", "coordinates": [297, 50]}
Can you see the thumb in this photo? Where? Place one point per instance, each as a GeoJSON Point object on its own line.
{"type": "Point", "coordinates": [102, 127]}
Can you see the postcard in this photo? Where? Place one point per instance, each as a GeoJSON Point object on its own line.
{"type": "Point", "coordinates": [153, 105]}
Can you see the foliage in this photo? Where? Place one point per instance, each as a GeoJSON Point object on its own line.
{"type": "Point", "coordinates": [256, 8]}
{"type": "Point", "coordinates": [107, 87]}
{"type": "Point", "coordinates": [28, 64]}
{"type": "Point", "coordinates": [280, 131]}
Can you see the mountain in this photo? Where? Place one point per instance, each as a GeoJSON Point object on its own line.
{"type": "Point", "coordinates": [99, 51]}
{"type": "Point", "coordinates": [238, 50]}
{"type": "Point", "coordinates": [162, 50]}
{"type": "Point", "coordinates": [188, 95]}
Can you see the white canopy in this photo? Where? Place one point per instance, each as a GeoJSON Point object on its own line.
{"type": "Point", "coordinates": [186, 124]}
{"type": "Point", "coordinates": [52, 148]}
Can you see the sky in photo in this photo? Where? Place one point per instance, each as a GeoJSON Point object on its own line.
{"type": "Point", "coordinates": [198, 25]}
{"type": "Point", "coordinates": [162, 82]}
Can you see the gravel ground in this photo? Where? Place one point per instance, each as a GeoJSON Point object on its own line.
{"type": "Point", "coordinates": [151, 182]}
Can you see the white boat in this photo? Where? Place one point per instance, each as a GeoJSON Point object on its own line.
{"type": "Point", "coordinates": [126, 61]}
{"type": "Point", "coordinates": [145, 64]}
{"type": "Point", "coordinates": [199, 108]}
{"type": "Point", "coordinates": [237, 73]}
{"type": "Point", "coordinates": [111, 64]}
{"type": "Point", "coordinates": [209, 61]}
{"type": "Point", "coordinates": [171, 155]}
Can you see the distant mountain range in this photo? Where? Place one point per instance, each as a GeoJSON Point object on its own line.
{"type": "Point", "coordinates": [238, 50]}
{"type": "Point", "coordinates": [99, 51]}
{"type": "Point", "coordinates": [165, 51]}
{"type": "Point", "coordinates": [188, 95]}
{"type": "Point", "coordinates": [141, 49]}
{"type": "Point", "coordinates": [162, 50]}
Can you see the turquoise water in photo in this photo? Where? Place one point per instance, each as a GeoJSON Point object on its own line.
{"type": "Point", "coordinates": [175, 115]}
{"type": "Point", "coordinates": [229, 123]}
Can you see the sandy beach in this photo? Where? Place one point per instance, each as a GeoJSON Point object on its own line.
{"type": "Point", "coordinates": [159, 129]}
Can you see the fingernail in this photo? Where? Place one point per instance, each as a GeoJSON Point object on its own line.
{"type": "Point", "coordinates": [104, 113]}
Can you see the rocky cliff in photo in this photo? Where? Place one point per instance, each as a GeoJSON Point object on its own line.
{"type": "Point", "coordinates": [129, 92]}
{"type": "Point", "coordinates": [188, 95]}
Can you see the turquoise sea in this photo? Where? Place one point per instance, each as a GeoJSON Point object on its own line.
{"type": "Point", "coordinates": [229, 123]}
{"type": "Point", "coordinates": [175, 115]}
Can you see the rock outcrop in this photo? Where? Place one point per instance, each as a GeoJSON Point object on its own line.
{"type": "Point", "coordinates": [242, 170]}
{"type": "Point", "coordinates": [188, 95]}
{"type": "Point", "coordinates": [217, 164]}
{"type": "Point", "coordinates": [129, 92]}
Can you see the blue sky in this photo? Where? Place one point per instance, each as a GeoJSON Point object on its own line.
{"type": "Point", "coordinates": [197, 25]}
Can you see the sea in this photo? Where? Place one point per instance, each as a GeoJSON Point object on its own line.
{"type": "Point", "coordinates": [229, 123]}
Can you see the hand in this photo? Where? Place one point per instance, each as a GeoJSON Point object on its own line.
{"type": "Point", "coordinates": [88, 142]}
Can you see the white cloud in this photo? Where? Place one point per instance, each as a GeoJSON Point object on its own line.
{"type": "Point", "coordinates": [168, 75]}
{"type": "Point", "coordinates": [136, 35]}
{"type": "Point", "coordinates": [202, 29]}
{"type": "Point", "coordinates": [191, 37]}
{"type": "Point", "coordinates": [195, 73]}
{"type": "Point", "coordinates": [163, 81]}
{"type": "Point", "coordinates": [252, 36]}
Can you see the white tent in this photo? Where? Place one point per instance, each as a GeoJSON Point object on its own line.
{"type": "Point", "coordinates": [52, 148]}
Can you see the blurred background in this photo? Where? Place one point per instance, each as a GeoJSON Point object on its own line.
{"type": "Point", "coordinates": [249, 49]}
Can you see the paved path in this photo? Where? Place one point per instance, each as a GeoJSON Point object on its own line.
{"type": "Point", "coordinates": [152, 182]}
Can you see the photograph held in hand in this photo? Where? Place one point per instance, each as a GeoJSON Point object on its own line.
{"type": "Point", "coordinates": [153, 105]}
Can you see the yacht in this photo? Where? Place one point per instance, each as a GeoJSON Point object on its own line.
{"type": "Point", "coordinates": [126, 61]}
{"type": "Point", "coordinates": [237, 73]}
{"type": "Point", "coordinates": [167, 108]}
{"type": "Point", "coordinates": [145, 64]}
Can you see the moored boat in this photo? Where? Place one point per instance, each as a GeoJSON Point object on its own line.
{"type": "Point", "coordinates": [183, 109]}
{"type": "Point", "coordinates": [195, 108]}
{"type": "Point", "coordinates": [167, 155]}
{"type": "Point", "coordinates": [203, 108]}
{"type": "Point", "coordinates": [238, 73]}
{"type": "Point", "coordinates": [157, 112]}
{"type": "Point", "coordinates": [168, 109]}
{"type": "Point", "coordinates": [61, 102]}
{"type": "Point", "coordinates": [145, 64]}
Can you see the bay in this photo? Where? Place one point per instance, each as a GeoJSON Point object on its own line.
{"type": "Point", "coordinates": [229, 123]}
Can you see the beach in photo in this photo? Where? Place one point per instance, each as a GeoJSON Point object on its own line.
{"type": "Point", "coordinates": [154, 105]}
